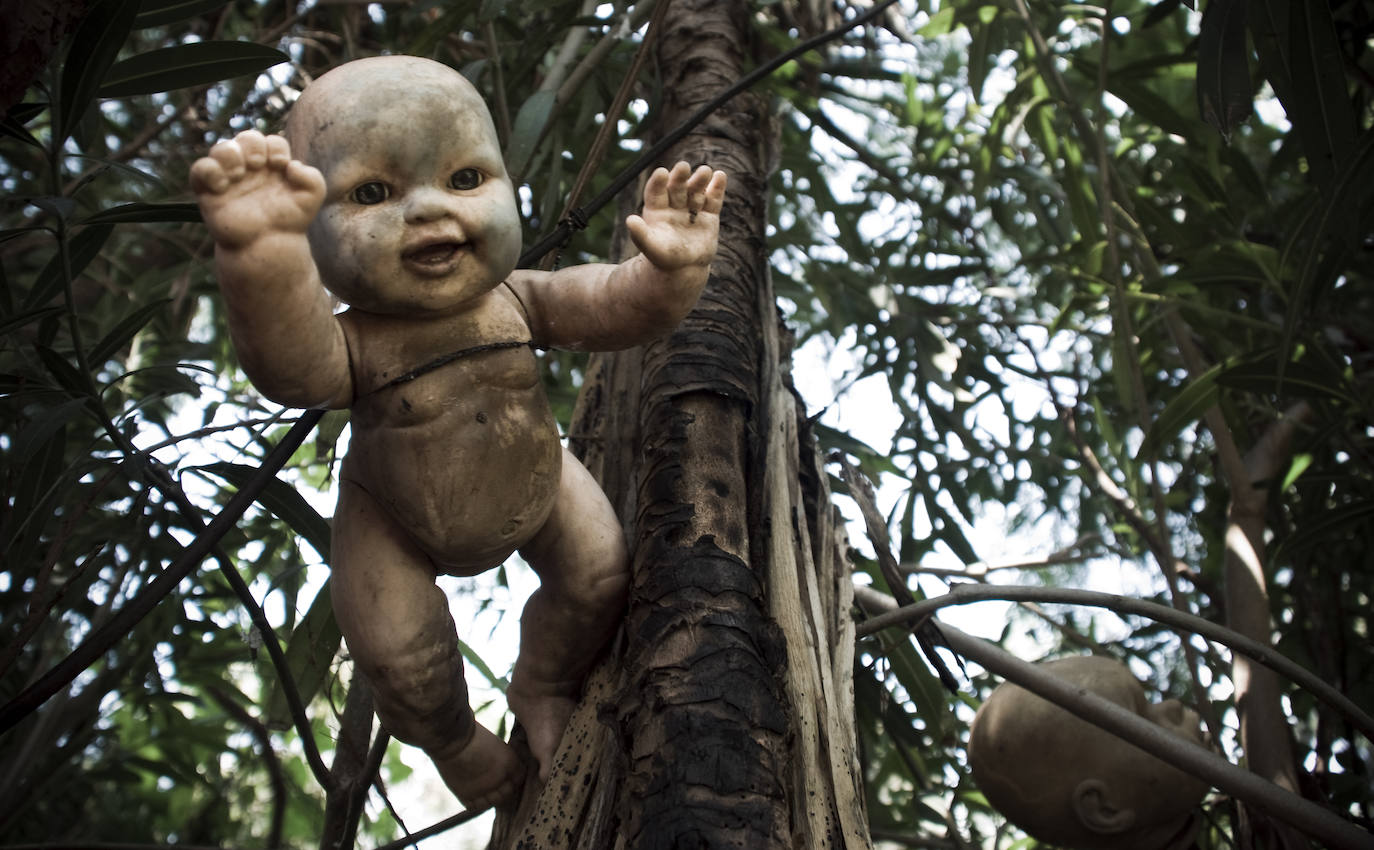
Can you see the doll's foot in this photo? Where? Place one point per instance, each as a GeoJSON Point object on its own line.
{"type": "Point", "coordinates": [484, 772]}
{"type": "Point", "coordinates": [544, 715]}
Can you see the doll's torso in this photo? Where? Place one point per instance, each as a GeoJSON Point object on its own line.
{"type": "Point", "coordinates": [464, 457]}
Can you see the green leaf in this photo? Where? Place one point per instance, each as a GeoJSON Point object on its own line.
{"type": "Point", "coordinates": [1332, 225]}
{"type": "Point", "coordinates": [1183, 409]}
{"type": "Point", "coordinates": [124, 331]}
{"type": "Point", "coordinates": [282, 500]}
{"type": "Point", "coordinates": [1319, 83]}
{"type": "Point", "coordinates": [498, 682]}
{"type": "Point", "coordinates": [1224, 92]}
{"type": "Point", "coordinates": [62, 371]}
{"type": "Point", "coordinates": [43, 446]}
{"type": "Point", "coordinates": [1320, 531]}
{"type": "Point", "coordinates": [940, 23]}
{"type": "Point", "coordinates": [43, 427]}
{"type": "Point", "coordinates": [310, 653]}
{"type": "Point", "coordinates": [145, 214]}
{"type": "Point", "coordinates": [327, 433]}
{"type": "Point", "coordinates": [81, 249]}
{"type": "Point", "coordinates": [11, 126]}
{"type": "Point", "coordinates": [188, 65]}
{"type": "Point", "coordinates": [528, 129]}
{"type": "Point", "coordinates": [14, 323]}
{"type": "Point", "coordinates": [153, 13]}
{"type": "Point", "coordinates": [93, 51]}
{"type": "Point", "coordinates": [1295, 469]}
{"type": "Point", "coordinates": [1268, 375]}
{"type": "Point", "coordinates": [921, 685]}
{"type": "Point", "coordinates": [1160, 11]}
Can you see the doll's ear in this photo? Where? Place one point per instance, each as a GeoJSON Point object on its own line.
{"type": "Point", "coordinates": [1093, 804]}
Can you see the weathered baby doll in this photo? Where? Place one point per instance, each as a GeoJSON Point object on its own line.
{"type": "Point", "coordinates": [1067, 782]}
{"type": "Point", "coordinates": [397, 201]}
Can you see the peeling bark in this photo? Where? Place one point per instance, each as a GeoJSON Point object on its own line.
{"type": "Point", "coordinates": [723, 716]}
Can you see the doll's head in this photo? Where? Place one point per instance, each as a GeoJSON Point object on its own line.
{"type": "Point", "coordinates": [1065, 781]}
{"type": "Point", "coordinates": [419, 214]}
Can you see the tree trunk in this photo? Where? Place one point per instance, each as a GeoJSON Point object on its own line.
{"type": "Point", "coordinates": [1264, 734]}
{"type": "Point", "coordinates": [723, 715]}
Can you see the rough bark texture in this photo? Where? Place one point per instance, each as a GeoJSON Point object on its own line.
{"type": "Point", "coordinates": [31, 33]}
{"type": "Point", "coordinates": [723, 716]}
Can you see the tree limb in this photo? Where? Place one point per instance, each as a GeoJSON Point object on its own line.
{"type": "Point", "coordinates": [1307, 816]}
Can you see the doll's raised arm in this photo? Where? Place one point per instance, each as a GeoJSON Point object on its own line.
{"type": "Point", "coordinates": [257, 203]}
{"type": "Point", "coordinates": [598, 307]}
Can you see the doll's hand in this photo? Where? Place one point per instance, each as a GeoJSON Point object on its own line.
{"type": "Point", "coordinates": [250, 187]}
{"type": "Point", "coordinates": [681, 217]}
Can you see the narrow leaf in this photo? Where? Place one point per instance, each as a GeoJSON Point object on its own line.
{"type": "Point", "coordinates": [93, 51]}
{"type": "Point", "coordinates": [1327, 130]}
{"type": "Point", "coordinates": [1325, 529]}
{"type": "Point", "coordinates": [1299, 465]}
{"type": "Point", "coordinates": [124, 331]}
{"type": "Point", "coordinates": [1270, 375]}
{"type": "Point", "coordinates": [498, 682]}
{"type": "Point", "coordinates": [44, 426]}
{"type": "Point", "coordinates": [528, 129]}
{"type": "Point", "coordinates": [145, 214]}
{"type": "Point", "coordinates": [81, 249]}
{"type": "Point", "coordinates": [1181, 411]}
{"type": "Point", "coordinates": [1224, 94]}
{"type": "Point", "coordinates": [14, 323]}
{"type": "Point", "coordinates": [62, 371]}
{"type": "Point", "coordinates": [188, 65]}
{"type": "Point", "coordinates": [310, 653]}
{"type": "Point", "coordinates": [153, 13]}
{"type": "Point", "coordinates": [282, 500]}
{"type": "Point", "coordinates": [10, 126]}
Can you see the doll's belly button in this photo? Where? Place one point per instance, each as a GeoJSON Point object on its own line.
{"type": "Point", "coordinates": [511, 526]}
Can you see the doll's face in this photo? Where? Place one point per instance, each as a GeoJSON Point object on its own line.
{"type": "Point", "coordinates": [1066, 781]}
{"type": "Point", "coordinates": [419, 214]}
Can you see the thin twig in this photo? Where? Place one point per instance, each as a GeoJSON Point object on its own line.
{"type": "Point", "coordinates": [430, 831]}
{"type": "Point", "coordinates": [263, 736]}
{"type": "Point", "coordinates": [1319, 822]}
{"type": "Point", "coordinates": [963, 594]}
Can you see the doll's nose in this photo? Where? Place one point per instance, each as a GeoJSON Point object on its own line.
{"type": "Point", "coordinates": [427, 204]}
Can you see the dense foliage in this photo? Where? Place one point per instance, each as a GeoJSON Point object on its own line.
{"type": "Point", "coordinates": [1088, 279]}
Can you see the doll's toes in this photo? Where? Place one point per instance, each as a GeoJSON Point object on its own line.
{"type": "Point", "coordinates": [252, 146]}
{"type": "Point", "coordinates": [208, 177]}
{"type": "Point", "coordinates": [278, 153]}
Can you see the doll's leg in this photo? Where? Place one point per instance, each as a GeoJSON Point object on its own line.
{"type": "Point", "coordinates": [401, 636]}
{"type": "Point", "coordinates": [584, 577]}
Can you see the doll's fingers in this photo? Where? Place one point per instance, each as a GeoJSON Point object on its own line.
{"type": "Point", "coordinates": [305, 177]}
{"type": "Point", "coordinates": [677, 185]}
{"type": "Point", "coordinates": [656, 189]}
{"type": "Point", "coordinates": [278, 152]}
{"type": "Point", "coordinates": [207, 175]}
{"type": "Point", "coordinates": [230, 158]}
{"type": "Point", "coordinates": [715, 192]}
{"type": "Point", "coordinates": [636, 227]}
{"type": "Point", "coordinates": [696, 189]}
{"type": "Point", "coordinates": [253, 145]}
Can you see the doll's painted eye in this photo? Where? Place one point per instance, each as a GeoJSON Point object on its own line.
{"type": "Point", "coordinates": [466, 178]}
{"type": "Point", "coordinates": [371, 193]}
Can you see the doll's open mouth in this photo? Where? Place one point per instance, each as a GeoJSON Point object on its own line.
{"type": "Point", "coordinates": [435, 256]}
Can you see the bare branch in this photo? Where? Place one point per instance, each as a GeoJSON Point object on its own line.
{"type": "Point", "coordinates": [963, 594]}
{"type": "Point", "coordinates": [1307, 816]}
